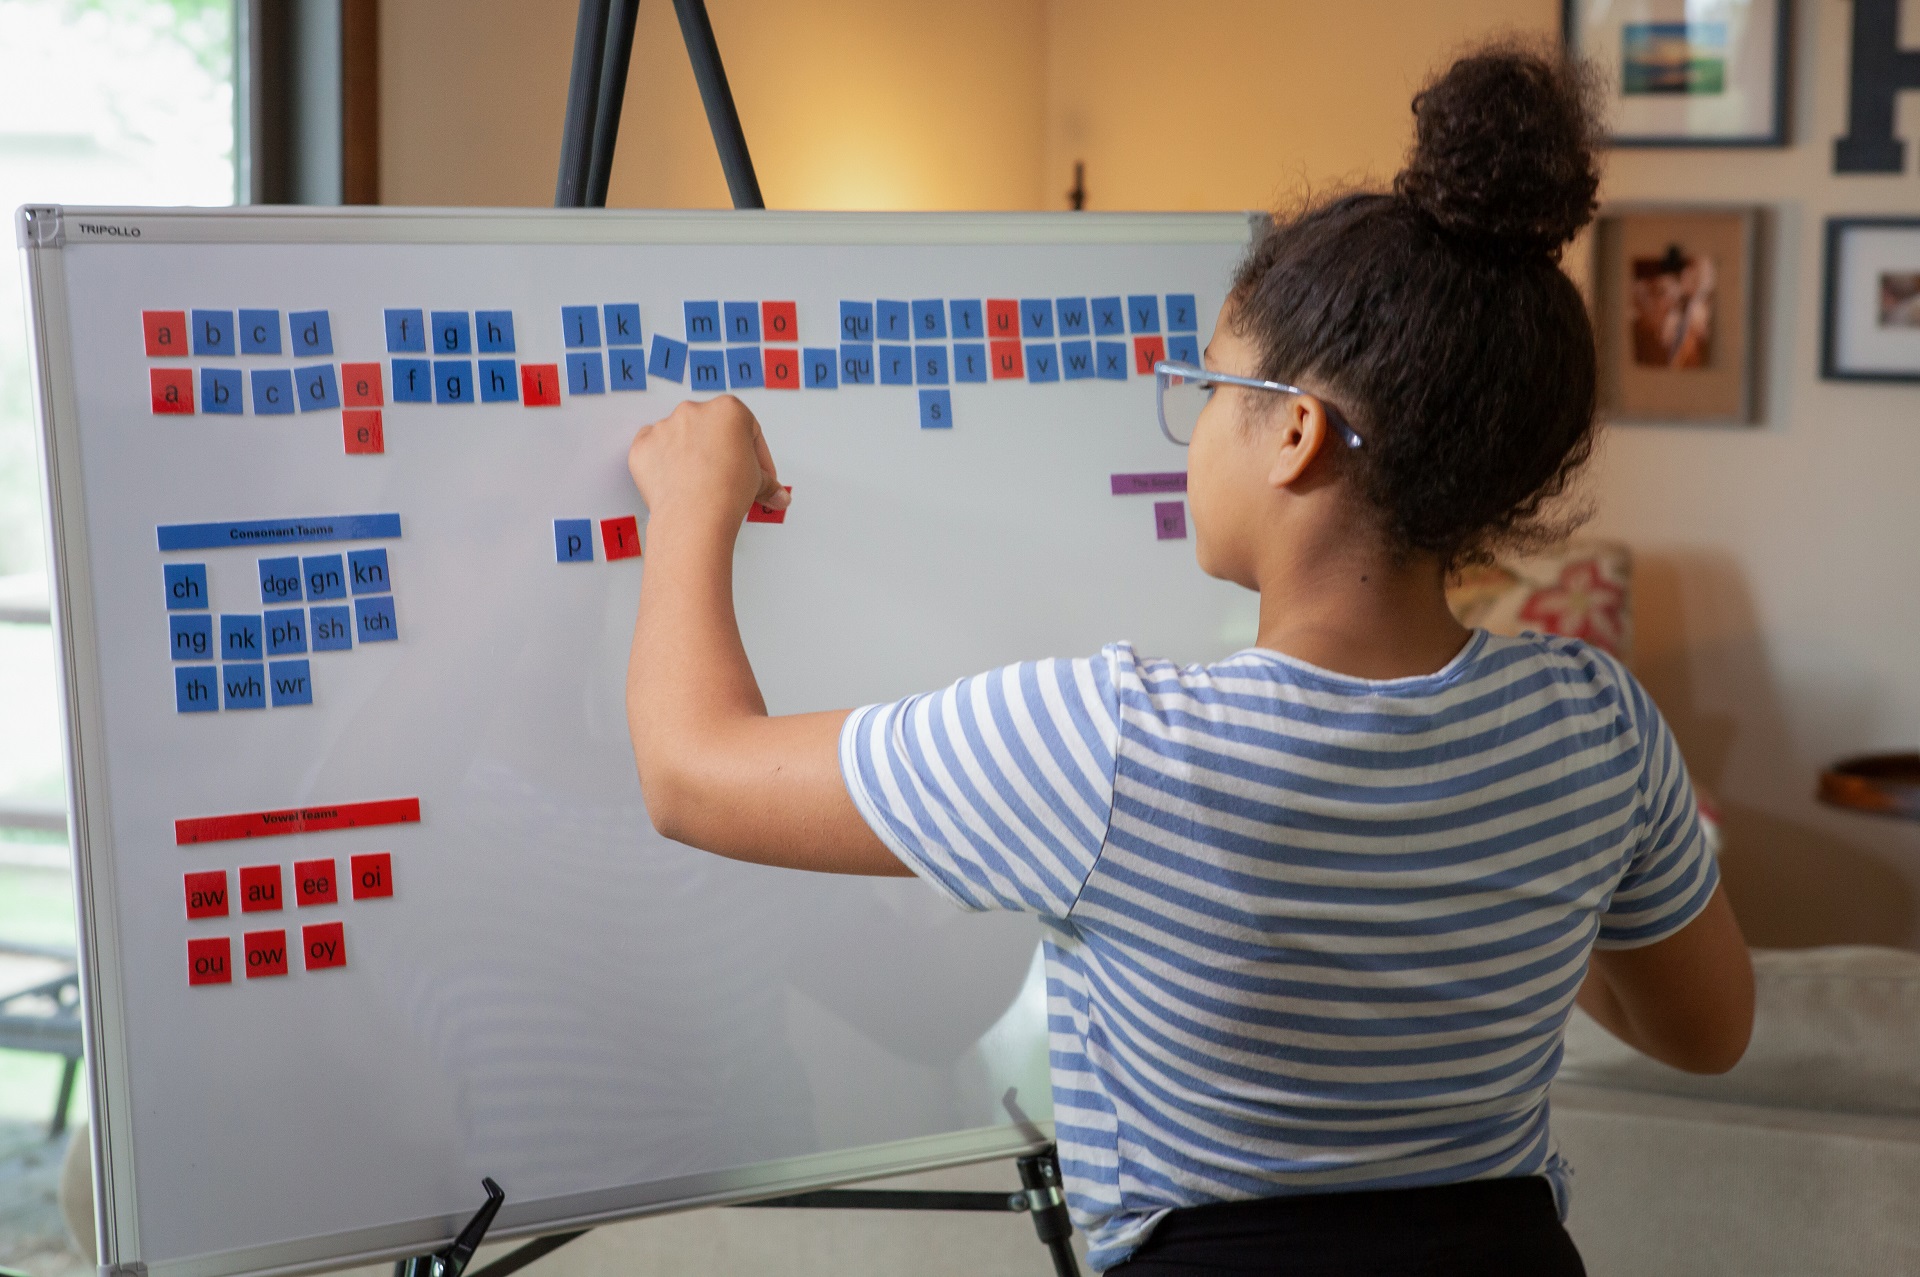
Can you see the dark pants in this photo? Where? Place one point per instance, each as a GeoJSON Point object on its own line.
{"type": "Point", "coordinates": [1483, 1228]}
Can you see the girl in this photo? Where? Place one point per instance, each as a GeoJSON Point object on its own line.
{"type": "Point", "coordinates": [1319, 911]}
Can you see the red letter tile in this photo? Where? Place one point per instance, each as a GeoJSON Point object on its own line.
{"type": "Point", "coordinates": [1003, 319]}
{"type": "Point", "coordinates": [782, 369]}
{"type": "Point", "coordinates": [540, 385]}
{"type": "Point", "coordinates": [757, 513]}
{"type": "Point", "coordinates": [166, 332]}
{"type": "Point", "coordinates": [779, 322]}
{"type": "Point", "coordinates": [621, 537]}
{"type": "Point", "coordinates": [313, 883]}
{"type": "Point", "coordinates": [363, 431]}
{"type": "Point", "coordinates": [372, 875]}
{"type": "Point", "coordinates": [266, 953]}
{"type": "Point", "coordinates": [1008, 361]}
{"type": "Point", "coordinates": [325, 944]}
{"type": "Point", "coordinates": [207, 894]}
{"type": "Point", "coordinates": [1148, 351]}
{"type": "Point", "coordinates": [361, 387]}
{"type": "Point", "coordinates": [207, 960]}
{"type": "Point", "coordinates": [172, 389]}
{"type": "Point", "coordinates": [260, 888]}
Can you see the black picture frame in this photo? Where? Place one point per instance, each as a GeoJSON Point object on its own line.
{"type": "Point", "coordinates": [1776, 135]}
{"type": "Point", "coordinates": [1831, 368]}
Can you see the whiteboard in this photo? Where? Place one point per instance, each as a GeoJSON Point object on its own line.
{"type": "Point", "coordinates": [535, 986]}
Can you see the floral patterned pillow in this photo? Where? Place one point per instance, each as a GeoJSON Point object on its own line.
{"type": "Point", "coordinates": [1583, 589]}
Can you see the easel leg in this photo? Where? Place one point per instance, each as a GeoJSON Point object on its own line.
{"type": "Point", "coordinates": [1040, 1176]}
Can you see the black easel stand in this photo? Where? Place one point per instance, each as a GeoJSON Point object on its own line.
{"type": "Point", "coordinates": [453, 1261]}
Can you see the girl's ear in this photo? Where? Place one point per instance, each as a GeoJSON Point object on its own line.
{"type": "Point", "coordinates": [1299, 431]}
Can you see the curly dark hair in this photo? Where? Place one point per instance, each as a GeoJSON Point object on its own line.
{"type": "Point", "coordinates": [1437, 317]}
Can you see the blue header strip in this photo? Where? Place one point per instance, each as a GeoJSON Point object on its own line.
{"type": "Point", "coordinates": [336, 527]}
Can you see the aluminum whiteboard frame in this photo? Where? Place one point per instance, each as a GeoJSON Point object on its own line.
{"type": "Point", "coordinates": [41, 232]}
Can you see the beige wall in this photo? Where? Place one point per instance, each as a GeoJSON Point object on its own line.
{"type": "Point", "coordinates": [1778, 608]}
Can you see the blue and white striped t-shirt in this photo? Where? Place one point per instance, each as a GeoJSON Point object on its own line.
{"type": "Point", "coordinates": [1307, 932]}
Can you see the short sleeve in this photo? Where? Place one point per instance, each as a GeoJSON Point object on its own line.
{"type": "Point", "coordinates": [1672, 874]}
{"type": "Point", "coordinates": [998, 789]}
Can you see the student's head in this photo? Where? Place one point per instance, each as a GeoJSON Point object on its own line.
{"type": "Point", "coordinates": [1434, 319]}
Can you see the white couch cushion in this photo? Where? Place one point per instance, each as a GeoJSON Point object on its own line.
{"type": "Point", "coordinates": [1835, 1029]}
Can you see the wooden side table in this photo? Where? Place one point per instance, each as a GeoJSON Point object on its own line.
{"type": "Point", "coordinates": [1883, 784]}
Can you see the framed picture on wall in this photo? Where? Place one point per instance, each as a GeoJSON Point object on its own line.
{"type": "Point", "coordinates": [1687, 72]}
{"type": "Point", "coordinates": [1674, 304]}
{"type": "Point", "coordinates": [1870, 321]}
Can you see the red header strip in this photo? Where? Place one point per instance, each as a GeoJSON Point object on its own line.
{"type": "Point", "coordinates": [295, 820]}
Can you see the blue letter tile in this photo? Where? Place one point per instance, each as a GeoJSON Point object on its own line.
{"type": "Point", "coordinates": [412, 381]}
{"type": "Point", "coordinates": [1043, 362]}
{"type": "Point", "coordinates": [493, 331]}
{"type": "Point", "coordinates": [325, 575]}
{"type": "Point", "coordinates": [892, 321]}
{"type": "Point", "coordinates": [930, 365]}
{"type": "Point", "coordinates": [406, 332]}
{"type": "Point", "coordinates": [1109, 317]}
{"type": "Point", "coordinates": [292, 683]}
{"type": "Point", "coordinates": [623, 323]}
{"type": "Point", "coordinates": [1076, 360]}
{"type": "Point", "coordinates": [743, 323]}
{"type": "Point", "coordinates": [186, 586]}
{"type": "Point", "coordinates": [819, 371]}
{"type": "Point", "coordinates": [312, 333]}
{"type": "Point", "coordinates": [332, 629]}
{"type": "Point", "coordinates": [220, 390]}
{"type": "Point", "coordinates": [1036, 317]}
{"type": "Point", "coordinates": [573, 539]}
{"type": "Point", "coordinates": [703, 321]}
{"type": "Point", "coordinates": [213, 332]}
{"type": "Point", "coordinates": [856, 364]}
{"type": "Point", "coordinates": [239, 637]}
{"type": "Point", "coordinates": [1073, 316]}
{"type": "Point", "coordinates": [966, 319]}
{"type": "Point", "coordinates": [1143, 313]}
{"type": "Point", "coordinates": [896, 365]}
{"type": "Point", "coordinates": [581, 325]}
{"type": "Point", "coordinates": [373, 618]}
{"type": "Point", "coordinates": [1183, 349]}
{"type": "Point", "coordinates": [936, 409]}
{"type": "Point", "coordinates": [499, 381]}
{"type": "Point", "coordinates": [626, 369]}
{"type": "Point", "coordinates": [286, 631]}
{"type": "Point", "coordinates": [669, 358]}
{"type": "Point", "coordinates": [856, 321]}
{"type": "Point", "coordinates": [260, 332]}
{"type": "Point", "coordinates": [196, 689]}
{"type": "Point", "coordinates": [586, 375]}
{"type": "Point", "coordinates": [1182, 315]}
{"type": "Point", "coordinates": [280, 580]}
{"type": "Point", "coordinates": [453, 379]}
{"type": "Point", "coordinates": [707, 370]}
{"type": "Point", "coordinates": [1111, 357]}
{"type": "Point", "coordinates": [192, 637]}
{"type": "Point", "coordinates": [743, 366]}
{"type": "Point", "coordinates": [929, 320]}
{"type": "Point", "coordinates": [367, 570]}
{"type": "Point", "coordinates": [246, 685]}
{"type": "Point", "coordinates": [318, 388]}
{"type": "Point", "coordinates": [272, 391]}
{"type": "Point", "coordinates": [452, 333]}
{"type": "Point", "coordinates": [969, 362]}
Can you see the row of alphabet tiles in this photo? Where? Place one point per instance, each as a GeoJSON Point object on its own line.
{"type": "Point", "coordinates": [277, 392]}
{"type": "Point", "coordinates": [214, 332]}
{"type": "Point", "coordinates": [210, 958]}
{"type": "Point", "coordinates": [314, 883]}
{"type": "Point", "coordinates": [864, 364]}
{"type": "Point", "coordinates": [282, 631]}
{"type": "Point", "coordinates": [931, 319]}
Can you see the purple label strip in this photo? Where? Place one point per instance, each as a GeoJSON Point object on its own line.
{"type": "Point", "coordinates": [1126, 485]}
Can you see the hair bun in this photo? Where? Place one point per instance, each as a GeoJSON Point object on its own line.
{"type": "Point", "coordinates": [1503, 153]}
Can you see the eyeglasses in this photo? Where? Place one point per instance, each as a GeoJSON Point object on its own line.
{"type": "Point", "coordinates": [1184, 389]}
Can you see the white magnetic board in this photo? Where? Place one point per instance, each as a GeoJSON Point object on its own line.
{"type": "Point", "coordinates": [483, 960]}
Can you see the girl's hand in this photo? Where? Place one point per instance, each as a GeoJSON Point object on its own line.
{"type": "Point", "coordinates": [705, 458]}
